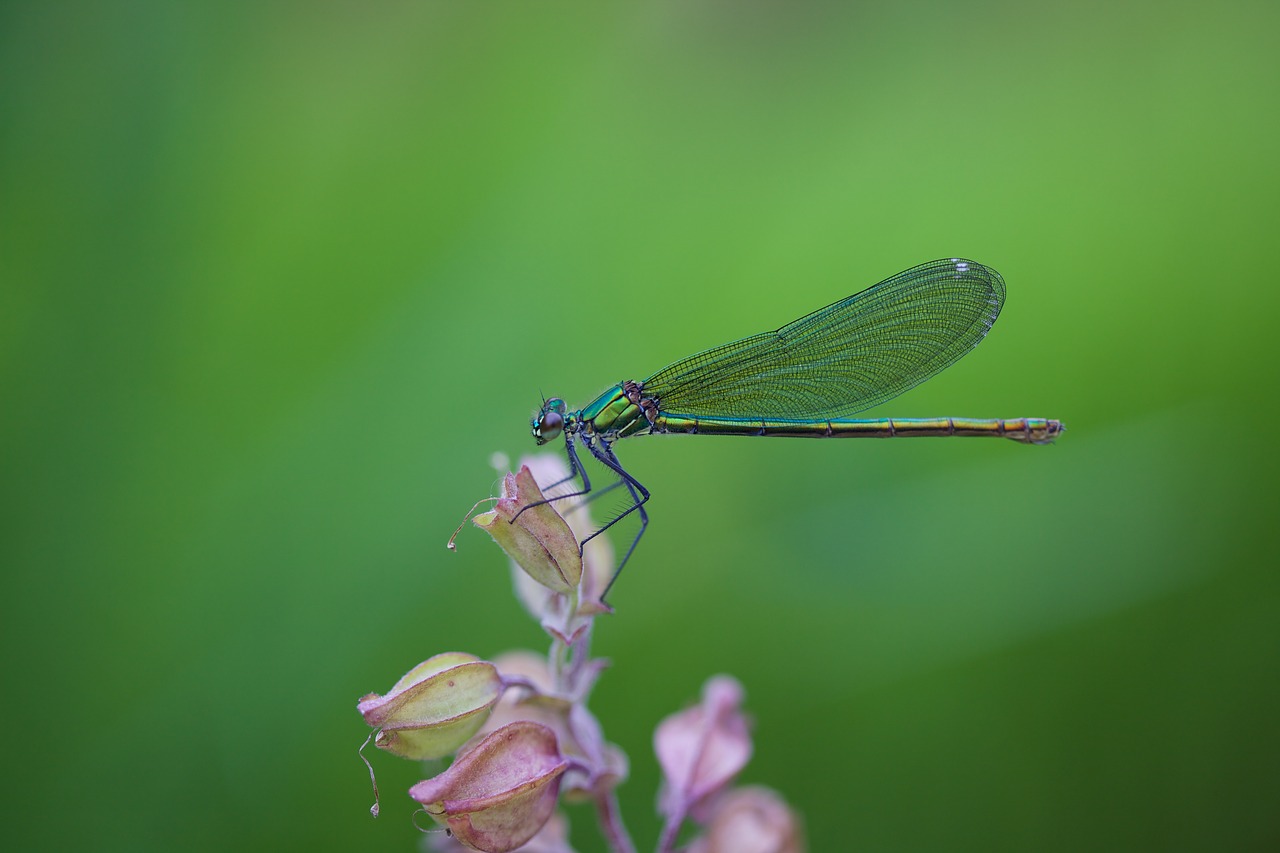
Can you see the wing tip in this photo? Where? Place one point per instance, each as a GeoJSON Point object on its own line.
{"type": "Point", "coordinates": [965, 268]}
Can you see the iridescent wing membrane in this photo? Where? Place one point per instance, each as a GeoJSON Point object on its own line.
{"type": "Point", "coordinates": [842, 359]}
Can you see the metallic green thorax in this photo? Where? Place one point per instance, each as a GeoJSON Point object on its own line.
{"type": "Point", "coordinates": [612, 414]}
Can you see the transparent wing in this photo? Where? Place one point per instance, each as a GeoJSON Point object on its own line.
{"type": "Point", "coordinates": [849, 356]}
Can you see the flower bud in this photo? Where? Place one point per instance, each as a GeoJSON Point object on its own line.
{"type": "Point", "coordinates": [702, 748]}
{"type": "Point", "coordinates": [597, 766]}
{"type": "Point", "coordinates": [435, 707]}
{"type": "Point", "coordinates": [598, 558]}
{"type": "Point", "coordinates": [751, 820]}
{"type": "Point", "coordinates": [537, 538]}
{"type": "Point", "coordinates": [497, 795]}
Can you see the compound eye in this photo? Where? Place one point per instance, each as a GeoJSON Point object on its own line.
{"type": "Point", "coordinates": [549, 426]}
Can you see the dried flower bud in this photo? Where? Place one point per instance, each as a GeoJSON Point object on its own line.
{"type": "Point", "coordinates": [497, 795]}
{"type": "Point", "coordinates": [597, 766]}
{"type": "Point", "coordinates": [598, 558]}
{"type": "Point", "coordinates": [702, 748]}
{"type": "Point", "coordinates": [435, 707]}
{"type": "Point", "coordinates": [537, 538]}
{"type": "Point", "coordinates": [751, 820]}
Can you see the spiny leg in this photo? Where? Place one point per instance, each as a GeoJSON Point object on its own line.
{"type": "Point", "coordinates": [644, 523]}
{"type": "Point", "coordinates": [605, 456]}
{"type": "Point", "coordinates": [639, 496]}
{"type": "Point", "coordinates": [595, 495]}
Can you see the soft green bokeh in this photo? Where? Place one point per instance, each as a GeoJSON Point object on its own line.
{"type": "Point", "coordinates": [278, 278]}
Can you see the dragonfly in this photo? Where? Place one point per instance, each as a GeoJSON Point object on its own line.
{"type": "Point", "coordinates": [803, 380]}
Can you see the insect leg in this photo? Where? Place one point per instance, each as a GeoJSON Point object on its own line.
{"type": "Point", "coordinates": [639, 496]}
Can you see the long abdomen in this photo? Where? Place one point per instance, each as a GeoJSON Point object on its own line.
{"type": "Point", "coordinates": [1025, 430]}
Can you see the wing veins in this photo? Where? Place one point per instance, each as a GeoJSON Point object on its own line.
{"type": "Point", "coordinates": [846, 357]}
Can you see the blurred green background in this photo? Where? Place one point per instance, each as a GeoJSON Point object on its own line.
{"type": "Point", "coordinates": [280, 277]}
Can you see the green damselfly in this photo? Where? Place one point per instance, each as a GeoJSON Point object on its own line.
{"type": "Point", "coordinates": [803, 380]}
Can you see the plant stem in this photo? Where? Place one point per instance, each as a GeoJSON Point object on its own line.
{"type": "Point", "coordinates": [555, 660]}
{"type": "Point", "coordinates": [579, 653]}
{"type": "Point", "coordinates": [611, 824]}
{"type": "Point", "coordinates": [670, 829]}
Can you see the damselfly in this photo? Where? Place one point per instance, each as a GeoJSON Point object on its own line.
{"type": "Point", "coordinates": [805, 379]}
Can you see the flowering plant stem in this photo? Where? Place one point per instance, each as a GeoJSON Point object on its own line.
{"type": "Point", "coordinates": [568, 664]}
{"type": "Point", "coordinates": [611, 823]}
{"type": "Point", "coordinates": [521, 735]}
{"type": "Point", "coordinates": [670, 829]}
